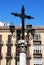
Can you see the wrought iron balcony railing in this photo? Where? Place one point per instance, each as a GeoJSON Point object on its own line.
{"type": "Point", "coordinates": [9, 56]}
{"type": "Point", "coordinates": [9, 43]}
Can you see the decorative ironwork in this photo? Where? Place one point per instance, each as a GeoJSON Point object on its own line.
{"type": "Point", "coordinates": [12, 28]}
{"type": "Point", "coordinates": [30, 29]}
{"type": "Point", "coordinates": [18, 31]}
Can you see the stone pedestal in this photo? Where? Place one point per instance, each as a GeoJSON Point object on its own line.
{"type": "Point", "coordinates": [22, 58]}
{"type": "Point", "coordinates": [23, 45]}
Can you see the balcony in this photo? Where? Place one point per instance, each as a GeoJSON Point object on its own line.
{"type": "Point", "coordinates": [8, 56]}
{"type": "Point", "coordinates": [37, 55]}
{"type": "Point", "coordinates": [9, 43]}
{"type": "Point", "coordinates": [1, 43]}
{"type": "Point", "coordinates": [1, 56]}
{"type": "Point", "coordinates": [36, 42]}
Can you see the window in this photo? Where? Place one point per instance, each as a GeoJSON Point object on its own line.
{"type": "Point", "coordinates": [37, 36]}
{"type": "Point", "coordinates": [9, 50]}
{"type": "Point", "coordinates": [9, 38]}
{"type": "Point", "coordinates": [8, 62]}
{"type": "Point", "coordinates": [0, 38]}
{"type": "Point", "coordinates": [37, 61]}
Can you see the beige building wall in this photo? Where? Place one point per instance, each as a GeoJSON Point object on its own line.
{"type": "Point", "coordinates": [5, 32]}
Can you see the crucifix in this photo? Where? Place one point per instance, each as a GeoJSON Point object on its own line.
{"type": "Point", "coordinates": [22, 16]}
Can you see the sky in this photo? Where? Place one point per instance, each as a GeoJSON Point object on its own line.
{"type": "Point", "coordinates": [35, 8]}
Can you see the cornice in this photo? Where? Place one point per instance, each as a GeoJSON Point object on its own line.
{"type": "Point", "coordinates": [37, 28]}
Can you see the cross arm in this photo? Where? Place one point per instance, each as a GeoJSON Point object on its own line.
{"type": "Point", "coordinates": [29, 17]}
{"type": "Point", "coordinates": [15, 14]}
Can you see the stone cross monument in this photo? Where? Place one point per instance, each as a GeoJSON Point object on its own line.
{"type": "Point", "coordinates": [22, 43]}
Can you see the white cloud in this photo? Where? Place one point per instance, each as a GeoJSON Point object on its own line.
{"type": "Point", "coordinates": [1, 23]}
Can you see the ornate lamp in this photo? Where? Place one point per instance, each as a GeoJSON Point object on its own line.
{"type": "Point", "coordinates": [30, 29]}
{"type": "Point", "coordinates": [12, 29]}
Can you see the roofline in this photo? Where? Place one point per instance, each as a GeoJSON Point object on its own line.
{"type": "Point", "coordinates": [17, 27]}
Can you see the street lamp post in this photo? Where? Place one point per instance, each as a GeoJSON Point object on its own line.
{"type": "Point", "coordinates": [22, 43]}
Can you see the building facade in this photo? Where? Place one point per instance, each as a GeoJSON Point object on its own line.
{"type": "Point", "coordinates": [9, 51]}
